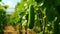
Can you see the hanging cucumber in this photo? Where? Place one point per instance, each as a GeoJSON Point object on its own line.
{"type": "Point", "coordinates": [31, 17]}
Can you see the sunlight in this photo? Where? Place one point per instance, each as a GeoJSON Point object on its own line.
{"type": "Point", "coordinates": [11, 4]}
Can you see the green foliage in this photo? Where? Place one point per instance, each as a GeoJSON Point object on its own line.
{"type": "Point", "coordinates": [6, 6]}
{"type": "Point", "coordinates": [3, 18]}
{"type": "Point", "coordinates": [14, 17]}
{"type": "Point", "coordinates": [42, 13]}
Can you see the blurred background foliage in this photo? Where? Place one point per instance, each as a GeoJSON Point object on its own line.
{"type": "Point", "coordinates": [42, 15]}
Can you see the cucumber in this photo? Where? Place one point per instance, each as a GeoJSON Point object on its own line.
{"type": "Point", "coordinates": [31, 17]}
